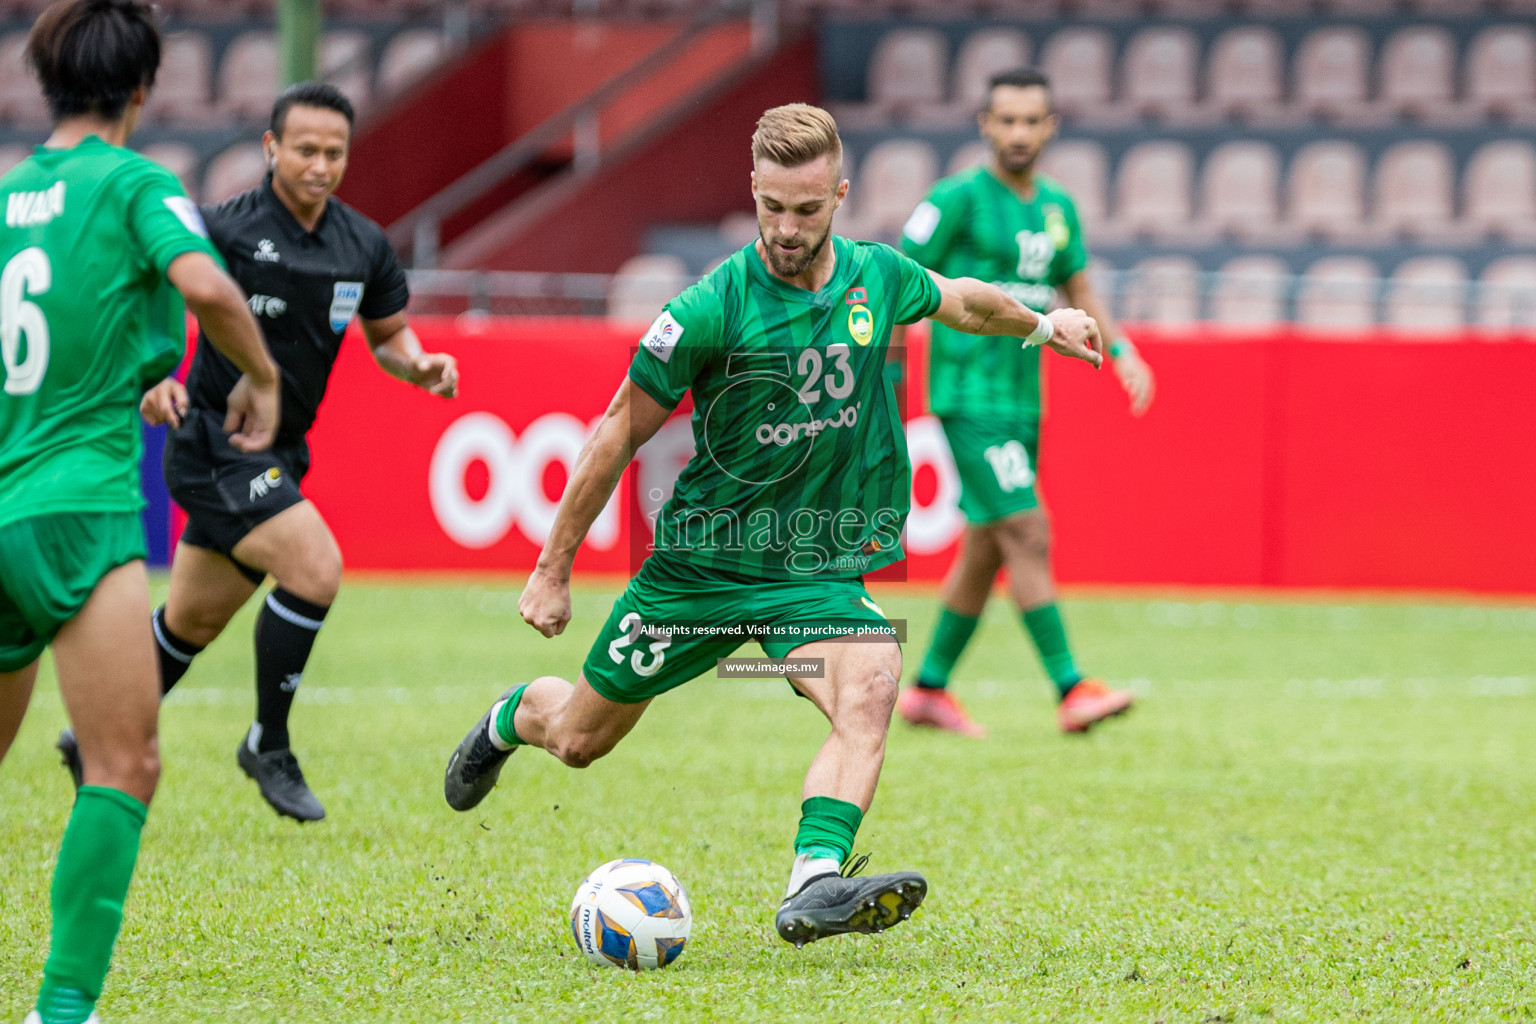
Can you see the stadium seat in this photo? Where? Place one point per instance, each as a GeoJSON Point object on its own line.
{"type": "Point", "coordinates": [1152, 190]}
{"type": "Point", "coordinates": [1330, 74]}
{"type": "Point", "coordinates": [346, 61]}
{"type": "Point", "coordinates": [1079, 61]}
{"type": "Point", "coordinates": [1276, 8]}
{"type": "Point", "coordinates": [984, 53]}
{"type": "Point", "coordinates": [1418, 72]}
{"type": "Point", "coordinates": [1240, 190]}
{"type": "Point", "coordinates": [1163, 290]}
{"type": "Point", "coordinates": [1187, 10]}
{"type": "Point", "coordinates": [643, 285]}
{"type": "Point", "coordinates": [178, 158]}
{"type": "Point", "coordinates": [1360, 8]}
{"type": "Point", "coordinates": [182, 90]}
{"type": "Point", "coordinates": [248, 76]}
{"type": "Point", "coordinates": [240, 167]}
{"type": "Point", "coordinates": [407, 57]}
{"type": "Point", "coordinates": [21, 101]}
{"type": "Point", "coordinates": [1427, 293]}
{"type": "Point", "coordinates": [1506, 293]}
{"type": "Point", "coordinates": [1499, 187]}
{"type": "Point", "coordinates": [1441, 8]}
{"type": "Point", "coordinates": [1338, 291]}
{"type": "Point", "coordinates": [1501, 71]}
{"type": "Point", "coordinates": [1325, 189]}
{"type": "Point", "coordinates": [739, 227]}
{"type": "Point", "coordinates": [1244, 72]}
{"type": "Point", "coordinates": [892, 180]}
{"type": "Point", "coordinates": [1081, 167]}
{"type": "Point", "coordinates": [10, 156]}
{"type": "Point", "coordinates": [908, 69]}
{"type": "Point", "coordinates": [972, 154]}
{"type": "Point", "coordinates": [1251, 290]}
{"type": "Point", "coordinates": [1158, 68]}
{"type": "Point", "coordinates": [1413, 188]}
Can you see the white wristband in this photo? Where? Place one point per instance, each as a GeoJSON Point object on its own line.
{"type": "Point", "coordinates": [1044, 331]}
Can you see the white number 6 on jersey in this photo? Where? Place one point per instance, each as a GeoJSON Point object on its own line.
{"type": "Point", "coordinates": [27, 273]}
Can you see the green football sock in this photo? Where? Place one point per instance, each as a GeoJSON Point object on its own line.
{"type": "Point", "coordinates": [1050, 637]}
{"type": "Point", "coordinates": [501, 723]}
{"type": "Point", "coordinates": [827, 827]}
{"type": "Point", "coordinates": [950, 636]}
{"type": "Point", "coordinates": [90, 884]}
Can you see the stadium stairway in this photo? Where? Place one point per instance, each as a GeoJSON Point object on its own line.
{"type": "Point", "coordinates": [552, 145]}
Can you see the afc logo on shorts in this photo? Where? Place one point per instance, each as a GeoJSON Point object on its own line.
{"type": "Point", "coordinates": [265, 484]}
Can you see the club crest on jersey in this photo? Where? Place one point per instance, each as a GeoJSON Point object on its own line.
{"type": "Point", "coordinates": [1056, 227]}
{"type": "Point", "coordinates": [344, 302]}
{"type": "Point", "coordinates": [861, 324]}
{"type": "Point", "coordinates": [266, 483]}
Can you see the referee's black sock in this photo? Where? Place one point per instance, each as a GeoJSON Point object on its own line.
{"type": "Point", "coordinates": [175, 653]}
{"type": "Point", "coordinates": [285, 633]}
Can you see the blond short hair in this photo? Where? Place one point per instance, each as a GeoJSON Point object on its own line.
{"type": "Point", "coordinates": [796, 134]}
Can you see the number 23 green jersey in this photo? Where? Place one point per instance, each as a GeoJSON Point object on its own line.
{"type": "Point", "coordinates": [87, 321]}
{"type": "Point", "coordinates": [973, 225]}
{"type": "Point", "coordinates": [800, 469]}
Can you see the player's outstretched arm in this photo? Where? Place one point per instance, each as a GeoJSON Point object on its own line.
{"type": "Point", "coordinates": [219, 305]}
{"type": "Point", "coordinates": [398, 352]}
{"type": "Point", "coordinates": [976, 307]}
{"type": "Point", "coordinates": [632, 418]}
{"type": "Point", "coordinates": [1132, 371]}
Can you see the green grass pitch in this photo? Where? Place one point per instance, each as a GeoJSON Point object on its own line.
{"type": "Point", "coordinates": [1321, 810]}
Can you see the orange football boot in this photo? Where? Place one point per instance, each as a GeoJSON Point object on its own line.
{"type": "Point", "coordinates": [938, 709]}
{"type": "Point", "coordinates": [1088, 702]}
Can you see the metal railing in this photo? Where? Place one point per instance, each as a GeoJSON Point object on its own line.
{"type": "Point", "coordinates": [419, 232]}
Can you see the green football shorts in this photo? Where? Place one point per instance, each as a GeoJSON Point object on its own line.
{"type": "Point", "coordinates": [49, 565]}
{"type": "Point", "coordinates": [664, 631]}
{"type": "Point", "coordinates": [996, 461]}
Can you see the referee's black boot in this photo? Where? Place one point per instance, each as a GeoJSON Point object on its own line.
{"type": "Point", "coordinates": [281, 780]}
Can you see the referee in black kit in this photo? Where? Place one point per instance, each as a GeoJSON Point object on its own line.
{"type": "Point", "coordinates": [308, 263]}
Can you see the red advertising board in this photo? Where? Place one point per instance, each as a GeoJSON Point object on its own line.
{"type": "Point", "coordinates": [1269, 458]}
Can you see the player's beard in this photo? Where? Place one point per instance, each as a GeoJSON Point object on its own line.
{"type": "Point", "coordinates": [794, 266]}
{"type": "Point", "coordinates": [1017, 161]}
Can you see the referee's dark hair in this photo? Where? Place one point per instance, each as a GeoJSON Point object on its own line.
{"type": "Point", "coordinates": [309, 94]}
{"type": "Point", "coordinates": [90, 55]}
{"type": "Point", "coordinates": [1022, 78]}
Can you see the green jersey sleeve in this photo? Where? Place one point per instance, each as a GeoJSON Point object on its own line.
{"type": "Point", "coordinates": [1073, 256]}
{"type": "Point", "coordinates": [679, 344]}
{"type": "Point", "coordinates": [918, 295]}
{"type": "Point", "coordinates": [937, 224]}
{"type": "Point", "coordinates": [163, 220]}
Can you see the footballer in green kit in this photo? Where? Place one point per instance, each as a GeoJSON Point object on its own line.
{"type": "Point", "coordinates": [98, 251]}
{"type": "Point", "coordinates": [1003, 222]}
{"type": "Point", "coordinates": [799, 485]}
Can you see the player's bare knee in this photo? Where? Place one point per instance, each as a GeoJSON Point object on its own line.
{"type": "Point", "coordinates": [867, 700]}
{"type": "Point", "coordinates": [199, 624]}
{"type": "Point", "coordinates": [316, 577]}
{"type": "Point", "coordinates": [1026, 537]}
{"type": "Point", "coordinates": [580, 751]}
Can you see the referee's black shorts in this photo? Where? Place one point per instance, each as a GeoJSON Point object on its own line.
{"type": "Point", "coordinates": [227, 493]}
